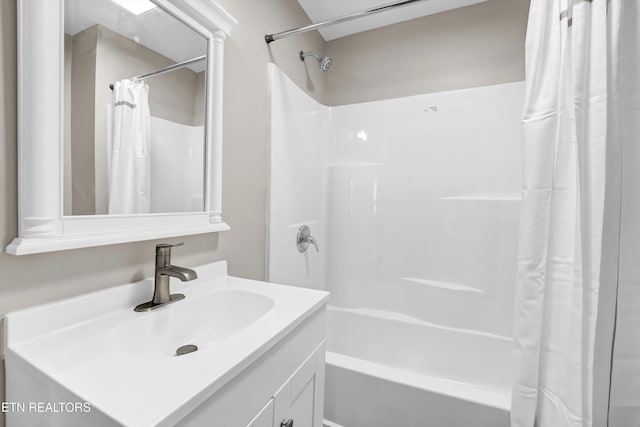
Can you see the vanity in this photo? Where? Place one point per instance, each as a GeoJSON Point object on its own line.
{"type": "Point", "coordinates": [225, 351]}
{"type": "Point", "coordinates": [93, 361]}
{"type": "Point", "coordinates": [101, 165]}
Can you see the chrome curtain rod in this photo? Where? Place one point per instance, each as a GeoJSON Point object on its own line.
{"type": "Point", "coordinates": [167, 69]}
{"type": "Point", "coordinates": [295, 31]}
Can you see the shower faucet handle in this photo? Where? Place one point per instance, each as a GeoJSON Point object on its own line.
{"type": "Point", "coordinates": [313, 242]}
{"type": "Point", "coordinates": [304, 238]}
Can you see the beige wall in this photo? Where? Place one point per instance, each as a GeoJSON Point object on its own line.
{"type": "Point", "coordinates": [246, 119]}
{"type": "Point", "coordinates": [8, 155]}
{"type": "Point", "coordinates": [198, 100]}
{"type": "Point", "coordinates": [482, 45]}
{"type": "Point", "coordinates": [67, 177]}
{"type": "Point", "coordinates": [83, 101]}
{"type": "Point", "coordinates": [473, 46]}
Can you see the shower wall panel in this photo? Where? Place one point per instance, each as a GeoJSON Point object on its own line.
{"type": "Point", "coordinates": [300, 129]}
{"type": "Point", "coordinates": [414, 202]}
{"type": "Point", "coordinates": [424, 206]}
{"type": "Point", "coordinates": [177, 167]}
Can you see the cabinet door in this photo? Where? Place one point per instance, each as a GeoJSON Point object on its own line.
{"type": "Point", "coordinates": [301, 399]}
{"type": "Point", "coordinates": [264, 417]}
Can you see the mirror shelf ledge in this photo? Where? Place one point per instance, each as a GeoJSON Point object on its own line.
{"type": "Point", "coordinates": [20, 246]}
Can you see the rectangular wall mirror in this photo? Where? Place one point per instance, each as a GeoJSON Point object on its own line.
{"type": "Point", "coordinates": [140, 148]}
{"type": "Point", "coordinates": [120, 121]}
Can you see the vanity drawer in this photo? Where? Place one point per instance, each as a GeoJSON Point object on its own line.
{"type": "Point", "coordinates": [264, 417]}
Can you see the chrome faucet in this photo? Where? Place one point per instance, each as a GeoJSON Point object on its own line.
{"type": "Point", "coordinates": [164, 270]}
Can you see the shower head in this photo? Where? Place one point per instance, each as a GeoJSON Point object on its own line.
{"type": "Point", "coordinates": [325, 61]}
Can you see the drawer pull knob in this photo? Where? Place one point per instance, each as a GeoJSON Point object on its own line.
{"type": "Point", "coordinates": [287, 423]}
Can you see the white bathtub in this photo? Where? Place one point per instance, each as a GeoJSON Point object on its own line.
{"type": "Point", "coordinates": [385, 369]}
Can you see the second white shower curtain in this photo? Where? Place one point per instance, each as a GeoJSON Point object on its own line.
{"type": "Point", "coordinates": [130, 174]}
{"type": "Point", "coordinates": [570, 65]}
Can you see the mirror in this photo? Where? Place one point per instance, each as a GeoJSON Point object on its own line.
{"type": "Point", "coordinates": [67, 152]}
{"type": "Point", "coordinates": [132, 145]}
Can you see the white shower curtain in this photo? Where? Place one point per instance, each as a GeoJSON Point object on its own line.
{"type": "Point", "coordinates": [571, 64]}
{"type": "Point", "coordinates": [130, 174]}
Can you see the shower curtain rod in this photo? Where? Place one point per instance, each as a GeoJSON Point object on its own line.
{"type": "Point", "coordinates": [295, 31]}
{"type": "Point", "coordinates": [167, 69]}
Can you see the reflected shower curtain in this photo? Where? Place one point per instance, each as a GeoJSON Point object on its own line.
{"type": "Point", "coordinates": [130, 173]}
{"type": "Point", "coordinates": [571, 69]}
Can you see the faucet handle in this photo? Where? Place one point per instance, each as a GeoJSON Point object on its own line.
{"type": "Point", "coordinates": [168, 245]}
{"type": "Point", "coordinates": [163, 252]}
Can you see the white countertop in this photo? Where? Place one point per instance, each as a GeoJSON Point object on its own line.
{"type": "Point", "coordinates": [124, 362]}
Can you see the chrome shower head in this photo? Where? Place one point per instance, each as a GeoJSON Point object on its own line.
{"type": "Point", "coordinates": [325, 61]}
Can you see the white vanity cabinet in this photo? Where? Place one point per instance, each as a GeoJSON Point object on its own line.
{"type": "Point", "coordinates": [299, 402]}
{"type": "Point", "coordinates": [286, 383]}
{"type": "Point", "coordinates": [264, 417]}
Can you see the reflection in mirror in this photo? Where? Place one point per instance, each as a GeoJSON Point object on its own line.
{"type": "Point", "coordinates": [138, 148]}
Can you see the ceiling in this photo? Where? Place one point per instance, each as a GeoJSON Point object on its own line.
{"type": "Point", "coordinates": [160, 31]}
{"type": "Point", "coordinates": [322, 10]}
{"type": "Point", "coordinates": [155, 29]}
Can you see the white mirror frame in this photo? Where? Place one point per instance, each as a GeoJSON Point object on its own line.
{"type": "Point", "coordinates": [42, 227]}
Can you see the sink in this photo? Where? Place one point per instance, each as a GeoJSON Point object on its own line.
{"type": "Point", "coordinates": [94, 348]}
{"type": "Point", "coordinates": [204, 321]}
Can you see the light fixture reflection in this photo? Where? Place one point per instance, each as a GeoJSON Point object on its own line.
{"type": "Point", "coordinates": [137, 7]}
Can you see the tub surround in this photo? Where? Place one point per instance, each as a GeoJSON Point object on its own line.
{"type": "Point", "coordinates": [94, 348]}
{"type": "Point", "coordinates": [416, 218]}
{"type": "Point", "coordinates": [413, 213]}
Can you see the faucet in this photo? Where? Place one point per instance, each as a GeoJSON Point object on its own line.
{"type": "Point", "coordinates": [164, 270]}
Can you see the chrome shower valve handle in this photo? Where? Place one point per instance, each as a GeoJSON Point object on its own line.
{"type": "Point", "coordinates": [304, 238]}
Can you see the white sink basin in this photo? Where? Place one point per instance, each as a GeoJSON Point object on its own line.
{"type": "Point", "coordinates": [96, 349]}
{"type": "Point", "coordinates": [204, 321]}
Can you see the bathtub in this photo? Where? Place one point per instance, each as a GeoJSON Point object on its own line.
{"type": "Point", "coordinates": [385, 369]}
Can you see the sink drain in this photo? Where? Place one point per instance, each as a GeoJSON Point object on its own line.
{"type": "Point", "coordinates": [189, 348]}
